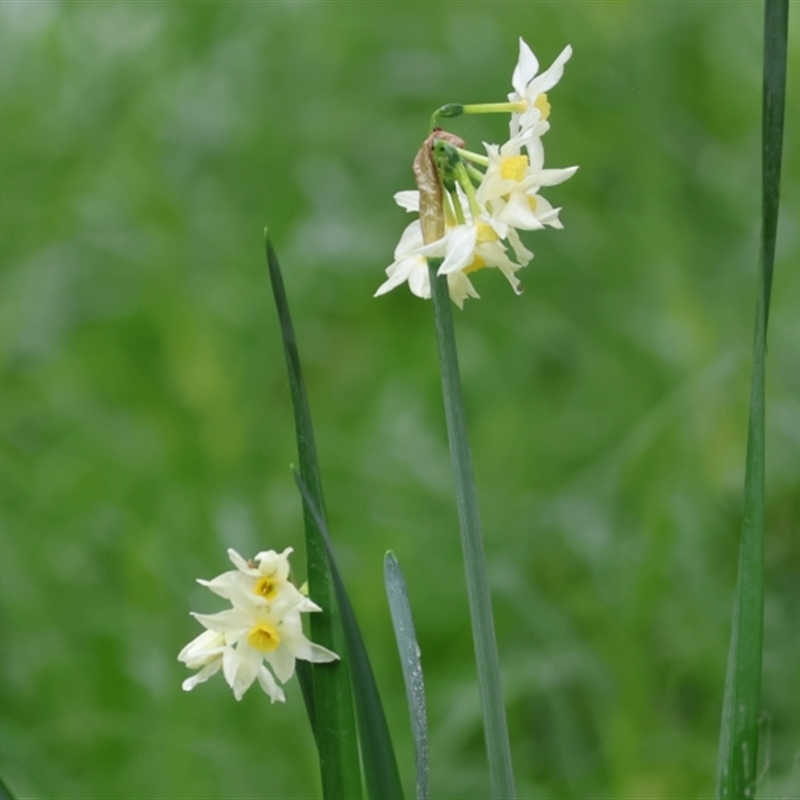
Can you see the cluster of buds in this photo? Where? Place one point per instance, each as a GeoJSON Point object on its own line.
{"type": "Point", "coordinates": [263, 624]}
{"type": "Point", "coordinates": [472, 206]}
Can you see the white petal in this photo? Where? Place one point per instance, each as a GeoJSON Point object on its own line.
{"type": "Point", "coordinates": [267, 683]}
{"type": "Point", "coordinates": [514, 145]}
{"type": "Point", "coordinates": [492, 150]}
{"type": "Point", "coordinates": [300, 647]}
{"type": "Point", "coordinates": [409, 199]}
{"type": "Point", "coordinates": [493, 186]}
{"type": "Point", "coordinates": [520, 251]}
{"type": "Point", "coordinates": [282, 662]}
{"type": "Point", "coordinates": [546, 213]}
{"type": "Point", "coordinates": [240, 667]}
{"type": "Point", "coordinates": [201, 677]}
{"type": "Point", "coordinates": [531, 120]}
{"type": "Point", "coordinates": [527, 67]}
{"type": "Point", "coordinates": [518, 213]}
{"type": "Point", "coordinates": [435, 249]}
{"type": "Point", "coordinates": [410, 241]}
{"type": "Point", "coordinates": [419, 281]}
{"type": "Point", "coordinates": [273, 564]}
{"type": "Point", "coordinates": [398, 272]}
{"type": "Point", "coordinates": [494, 254]}
{"type": "Point", "coordinates": [512, 279]}
{"type": "Point", "coordinates": [240, 563]}
{"type": "Point", "coordinates": [287, 605]}
{"type": "Point", "coordinates": [460, 288]}
{"type": "Point", "coordinates": [535, 150]}
{"type": "Point", "coordinates": [201, 649]}
{"type": "Point", "coordinates": [550, 77]}
{"type": "Point", "coordinates": [231, 620]}
{"type": "Point", "coordinates": [460, 249]}
{"type": "Point", "coordinates": [552, 177]}
{"type": "Point", "coordinates": [221, 585]}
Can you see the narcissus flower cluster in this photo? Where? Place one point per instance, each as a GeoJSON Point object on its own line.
{"type": "Point", "coordinates": [477, 204]}
{"type": "Point", "coordinates": [262, 627]}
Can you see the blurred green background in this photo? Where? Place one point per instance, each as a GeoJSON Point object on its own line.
{"type": "Point", "coordinates": [145, 423]}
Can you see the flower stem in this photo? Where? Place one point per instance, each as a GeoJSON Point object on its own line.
{"type": "Point", "coordinates": [462, 176]}
{"type": "Point", "coordinates": [476, 158]}
{"type": "Point", "coordinates": [495, 108]}
{"type": "Point", "coordinates": [480, 601]}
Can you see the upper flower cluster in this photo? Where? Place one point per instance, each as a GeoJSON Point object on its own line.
{"type": "Point", "coordinates": [262, 625]}
{"type": "Point", "coordinates": [485, 199]}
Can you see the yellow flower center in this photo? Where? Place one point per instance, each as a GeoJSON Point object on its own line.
{"type": "Point", "coordinates": [264, 637]}
{"type": "Point", "coordinates": [477, 263]}
{"type": "Point", "coordinates": [541, 103]}
{"type": "Point", "coordinates": [266, 588]}
{"type": "Point", "coordinates": [513, 168]}
{"type": "Point", "coordinates": [485, 233]}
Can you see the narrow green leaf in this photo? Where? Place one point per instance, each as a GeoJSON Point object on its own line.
{"type": "Point", "coordinates": [5, 792]}
{"type": "Point", "coordinates": [776, 25]}
{"type": "Point", "coordinates": [305, 677]}
{"type": "Point", "coordinates": [738, 749]}
{"type": "Point", "coordinates": [407, 646]}
{"type": "Point", "coordinates": [480, 601]}
{"type": "Point", "coordinates": [331, 710]}
{"type": "Point", "coordinates": [380, 765]}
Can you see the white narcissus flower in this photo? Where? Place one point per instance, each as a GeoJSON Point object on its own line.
{"type": "Point", "coordinates": [410, 264]}
{"type": "Point", "coordinates": [203, 653]}
{"type": "Point", "coordinates": [257, 630]}
{"type": "Point", "coordinates": [476, 246]}
{"type": "Point", "coordinates": [530, 87]}
{"type": "Point", "coordinates": [464, 248]}
{"type": "Point", "coordinates": [510, 189]}
{"type": "Point", "coordinates": [263, 625]}
{"type": "Point", "coordinates": [267, 576]}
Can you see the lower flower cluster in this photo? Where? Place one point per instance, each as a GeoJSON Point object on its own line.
{"type": "Point", "coordinates": [262, 627]}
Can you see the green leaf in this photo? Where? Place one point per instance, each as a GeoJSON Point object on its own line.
{"type": "Point", "coordinates": [737, 766]}
{"type": "Point", "coordinates": [480, 601]}
{"type": "Point", "coordinates": [400, 609]}
{"type": "Point", "coordinates": [331, 707]}
{"type": "Point", "coordinates": [380, 765]}
{"type": "Point", "coordinates": [5, 792]}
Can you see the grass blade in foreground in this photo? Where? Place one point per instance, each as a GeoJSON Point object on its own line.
{"type": "Point", "coordinates": [738, 749]}
{"type": "Point", "coordinates": [5, 792]}
{"type": "Point", "coordinates": [400, 609]}
{"type": "Point", "coordinates": [331, 713]}
{"type": "Point", "coordinates": [480, 601]}
{"type": "Point", "coordinates": [380, 765]}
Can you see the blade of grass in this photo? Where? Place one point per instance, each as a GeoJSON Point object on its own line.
{"type": "Point", "coordinates": [480, 602]}
{"type": "Point", "coordinates": [407, 646]}
{"type": "Point", "coordinates": [331, 710]}
{"type": "Point", "coordinates": [5, 792]}
{"type": "Point", "coordinates": [738, 750]}
{"type": "Point", "coordinates": [380, 765]}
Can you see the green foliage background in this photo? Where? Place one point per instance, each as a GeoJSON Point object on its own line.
{"type": "Point", "coordinates": [145, 422]}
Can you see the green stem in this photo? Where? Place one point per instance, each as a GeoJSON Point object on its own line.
{"type": "Point", "coordinates": [476, 158]}
{"type": "Point", "coordinates": [495, 108]}
{"type": "Point", "coordinates": [480, 601]}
